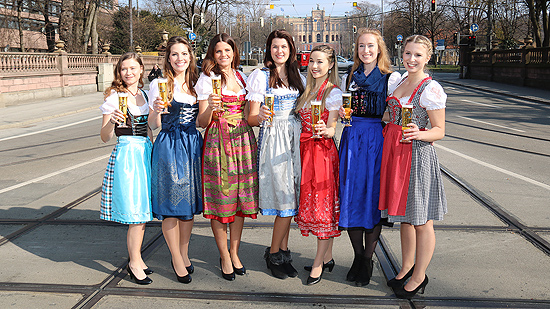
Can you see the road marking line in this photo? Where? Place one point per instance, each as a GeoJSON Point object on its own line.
{"type": "Point", "coordinates": [51, 129]}
{"type": "Point", "coordinates": [468, 101]}
{"type": "Point", "coordinates": [494, 167]}
{"type": "Point", "coordinates": [53, 174]}
{"type": "Point", "coordinates": [496, 125]}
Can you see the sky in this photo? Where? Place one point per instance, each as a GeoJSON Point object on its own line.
{"type": "Point", "coordinates": [302, 8]}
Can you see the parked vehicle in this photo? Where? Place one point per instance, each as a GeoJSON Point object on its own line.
{"type": "Point", "coordinates": [343, 63]}
{"type": "Point", "coordinates": [303, 59]}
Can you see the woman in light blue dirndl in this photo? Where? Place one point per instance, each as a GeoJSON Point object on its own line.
{"type": "Point", "coordinates": [279, 144]}
{"type": "Point", "coordinates": [125, 196]}
{"type": "Point", "coordinates": [176, 165]}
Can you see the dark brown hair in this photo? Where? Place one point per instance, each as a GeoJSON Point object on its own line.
{"type": "Point", "coordinates": [210, 65]}
{"type": "Point", "coordinates": [292, 69]}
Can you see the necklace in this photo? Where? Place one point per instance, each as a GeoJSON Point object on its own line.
{"type": "Point", "coordinates": [133, 94]}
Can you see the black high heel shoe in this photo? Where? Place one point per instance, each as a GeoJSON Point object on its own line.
{"type": "Point", "coordinates": [328, 265]}
{"type": "Point", "coordinates": [183, 279]}
{"type": "Point", "coordinates": [228, 277]}
{"type": "Point", "coordinates": [365, 272]}
{"type": "Point", "coordinates": [394, 283]}
{"type": "Point", "coordinates": [239, 271]}
{"type": "Point", "coordinates": [144, 281]}
{"type": "Point", "coordinates": [355, 268]}
{"type": "Point", "coordinates": [400, 292]}
{"type": "Point", "coordinates": [190, 268]}
{"type": "Point", "coordinates": [148, 271]}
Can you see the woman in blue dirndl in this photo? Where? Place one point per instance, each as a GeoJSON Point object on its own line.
{"type": "Point", "coordinates": [176, 164]}
{"type": "Point", "coordinates": [125, 196]}
{"type": "Point", "coordinates": [361, 151]}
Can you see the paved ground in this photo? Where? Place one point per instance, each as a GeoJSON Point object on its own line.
{"type": "Point", "coordinates": [57, 264]}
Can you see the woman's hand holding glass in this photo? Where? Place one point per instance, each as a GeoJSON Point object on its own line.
{"type": "Point", "coordinates": [412, 133]}
{"type": "Point", "coordinates": [117, 117]}
{"type": "Point", "coordinates": [215, 102]}
{"type": "Point", "coordinates": [158, 105]}
{"type": "Point", "coordinates": [321, 129]}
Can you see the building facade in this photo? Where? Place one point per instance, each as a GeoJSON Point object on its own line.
{"type": "Point", "coordinates": [319, 29]}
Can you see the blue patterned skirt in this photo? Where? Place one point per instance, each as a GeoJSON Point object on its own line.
{"type": "Point", "coordinates": [360, 159]}
{"type": "Point", "coordinates": [126, 190]}
{"type": "Point", "coordinates": [176, 173]}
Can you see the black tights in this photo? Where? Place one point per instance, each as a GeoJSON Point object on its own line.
{"type": "Point", "coordinates": [371, 239]}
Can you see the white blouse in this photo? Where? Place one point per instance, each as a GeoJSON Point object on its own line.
{"type": "Point", "coordinates": [395, 77]}
{"type": "Point", "coordinates": [179, 95]}
{"type": "Point", "coordinates": [433, 97]}
{"type": "Point", "coordinates": [204, 86]}
{"type": "Point", "coordinates": [111, 103]}
{"type": "Point", "coordinates": [256, 86]}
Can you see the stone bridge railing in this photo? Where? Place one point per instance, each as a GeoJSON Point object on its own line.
{"type": "Point", "coordinates": [523, 67]}
{"type": "Point", "coordinates": [36, 76]}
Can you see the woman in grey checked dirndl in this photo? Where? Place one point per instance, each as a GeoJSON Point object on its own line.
{"type": "Point", "coordinates": [279, 144]}
{"type": "Point", "coordinates": [411, 188]}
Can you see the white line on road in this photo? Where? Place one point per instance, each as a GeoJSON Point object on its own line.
{"type": "Point", "coordinates": [53, 174]}
{"type": "Point", "coordinates": [496, 125]}
{"type": "Point", "coordinates": [496, 168]}
{"type": "Point", "coordinates": [473, 102]}
{"type": "Point", "coordinates": [51, 129]}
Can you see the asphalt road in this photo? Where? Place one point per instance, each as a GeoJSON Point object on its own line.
{"type": "Point", "coordinates": [55, 250]}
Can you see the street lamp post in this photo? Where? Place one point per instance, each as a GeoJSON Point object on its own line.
{"type": "Point", "coordinates": [193, 20]}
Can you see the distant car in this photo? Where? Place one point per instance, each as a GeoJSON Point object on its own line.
{"type": "Point", "coordinates": [343, 63]}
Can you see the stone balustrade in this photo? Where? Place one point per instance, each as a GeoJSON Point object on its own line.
{"type": "Point", "coordinates": [40, 76]}
{"type": "Point", "coordinates": [522, 67]}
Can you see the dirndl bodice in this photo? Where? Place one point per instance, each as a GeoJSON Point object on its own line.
{"type": "Point", "coordinates": [176, 162]}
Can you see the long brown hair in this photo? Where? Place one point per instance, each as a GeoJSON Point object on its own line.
{"type": "Point", "coordinates": [210, 65]}
{"type": "Point", "coordinates": [118, 83]}
{"type": "Point", "coordinates": [191, 75]}
{"type": "Point", "coordinates": [309, 94]}
{"type": "Point", "coordinates": [291, 65]}
{"type": "Point", "coordinates": [383, 58]}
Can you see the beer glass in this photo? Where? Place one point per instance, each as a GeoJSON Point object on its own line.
{"type": "Point", "coordinates": [346, 104]}
{"type": "Point", "coordinates": [217, 89]}
{"type": "Point", "coordinates": [269, 100]}
{"type": "Point", "coordinates": [406, 116]}
{"type": "Point", "coordinates": [123, 107]}
{"type": "Point", "coordinates": [315, 117]}
{"type": "Point", "coordinates": [163, 93]}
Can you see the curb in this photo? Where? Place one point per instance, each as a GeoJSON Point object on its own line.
{"type": "Point", "coordinates": [31, 121]}
{"type": "Point", "coordinates": [531, 99]}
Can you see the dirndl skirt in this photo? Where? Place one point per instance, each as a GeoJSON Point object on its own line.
{"type": "Point", "coordinates": [279, 165]}
{"type": "Point", "coordinates": [176, 174]}
{"type": "Point", "coordinates": [411, 183]}
{"type": "Point", "coordinates": [360, 159]}
{"type": "Point", "coordinates": [126, 190]}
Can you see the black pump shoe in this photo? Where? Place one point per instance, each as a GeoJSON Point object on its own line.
{"type": "Point", "coordinates": [183, 279]}
{"type": "Point", "coordinates": [228, 277]}
{"type": "Point", "coordinates": [394, 283]}
{"type": "Point", "coordinates": [328, 265]}
{"type": "Point", "coordinates": [190, 268]}
{"type": "Point", "coordinates": [312, 281]}
{"type": "Point", "coordinates": [239, 271]}
{"type": "Point", "coordinates": [400, 292]}
{"type": "Point", "coordinates": [148, 271]}
{"type": "Point", "coordinates": [144, 281]}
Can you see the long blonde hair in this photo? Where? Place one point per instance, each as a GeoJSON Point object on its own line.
{"type": "Point", "coordinates": [308, 93]}
{"type": "Point", "coordinates": [383, 58]}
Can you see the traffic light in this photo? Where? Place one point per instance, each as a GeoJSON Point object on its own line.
{"type": "Point", "coordinates": [194, 44]}
{"type": "Point", "coordinates": [456, 38]}
{"type": "Point", "coordinates": [354, 29]}
{"type": "Point", "coordinates": [472, 41]}
{"type": "Point", "coordinates": [434, 6]}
